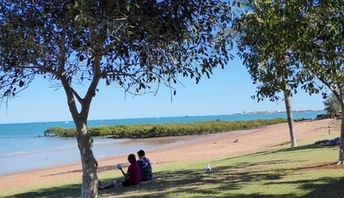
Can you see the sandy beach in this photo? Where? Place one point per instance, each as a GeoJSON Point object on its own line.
{"type": "Point", "coordinates": [203, 147]}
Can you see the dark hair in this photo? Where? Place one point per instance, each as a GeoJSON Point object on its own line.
{"type": "Point", "coordinates": [131, 158]}
{"type": "Point", "coordinates": [140, 153]}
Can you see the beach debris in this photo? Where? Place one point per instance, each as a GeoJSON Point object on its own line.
{"type": "Point", "coordinates": [208, 169]}
{"type": "Point", "coordinates": [236, 140]}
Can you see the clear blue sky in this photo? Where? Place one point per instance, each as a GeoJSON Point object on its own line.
{"type": "Point", "coordinates": [228, 91]}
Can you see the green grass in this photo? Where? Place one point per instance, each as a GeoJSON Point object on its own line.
{"type": "Point", "coordinates": [162, 130]}
{"type": "Point", "coordinates": [279, 173]}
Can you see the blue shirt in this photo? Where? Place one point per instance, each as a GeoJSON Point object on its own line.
{"type": "Point", "coordinates": [146, 168]}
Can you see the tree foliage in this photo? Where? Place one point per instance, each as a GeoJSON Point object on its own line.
{"type": "Point", "coordinates": [321, 44]}
{"type": "Point", "coordinates": [309, 36]}
{"type": "Point", "coordinates": [332, 106]}
{"type": "Point", "coordinates": [321, 48]}
{"type": "Point", "coordinates": [266, 35]}
{"type": "Point", "coordinates": [135, 43]}
{"type": "Point", "coordinates": [265, 42]}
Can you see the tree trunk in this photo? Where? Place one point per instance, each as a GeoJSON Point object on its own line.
{"type": "Point", "coordinates": [85, 141]}
{"type": "Point", "coordinates": [290, 119]}
{"type": "Point", "coordinates": [341, 147]}
{"type": "Point", "coordinates": [89, 163]}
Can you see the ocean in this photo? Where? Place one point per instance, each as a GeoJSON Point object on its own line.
{"type": "Point", "coordinates": [23, 146]}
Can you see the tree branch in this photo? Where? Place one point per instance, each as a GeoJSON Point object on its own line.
{"type": "Point", "coordinates": [69, 93]}
{"type": "Point", "coordinates": [81, 101]}
{"type": "Point", "coordinates": [92, 88]}
{"type": "Point", "coordinates": [62, 56]}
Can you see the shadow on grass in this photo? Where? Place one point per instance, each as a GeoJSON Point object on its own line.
{"type": "Point", "coordinates": [100, 169]}
{"type": "Point", "coordinates": [299, 148]}
{"type": "Point", "coordinates": [67, 191]}
{"type": "Point", "coordinates": [262, 153]}
{"type": "Point", "coordinates": [331, 187]}
{"type": "Point", "coordinates": [225, 181]}
{"type": "Point", "coordinates": [319, 188]}
{"type": "Point", "coordinates": [195, 183]}
{"type": "Point", "coordinates": [190, 183]}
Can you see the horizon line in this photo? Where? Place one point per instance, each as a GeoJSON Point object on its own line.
{"type": "Point", "coordinates": [158, 117]}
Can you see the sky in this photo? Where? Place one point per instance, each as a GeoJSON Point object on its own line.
{"type": "Point", "coordinates": [228, 91]}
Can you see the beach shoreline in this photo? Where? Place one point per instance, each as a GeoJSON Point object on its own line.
{"type": "Point", "coordinates": [204, 147]}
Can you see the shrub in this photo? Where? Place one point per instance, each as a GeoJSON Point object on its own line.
{"type": "Point", "coordinates": [161, 130]}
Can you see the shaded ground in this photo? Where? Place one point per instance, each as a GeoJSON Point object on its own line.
{"type": "Point", "coordinates": [267, 170]}
{"type": "Point", "coordinates": [206, 147]}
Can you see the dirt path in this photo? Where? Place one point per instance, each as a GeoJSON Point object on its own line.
{"type": "Point", "coordinates": [195, 148]}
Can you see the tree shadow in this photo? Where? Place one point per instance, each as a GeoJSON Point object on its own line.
{"type": "Point", "coordinates": [331, 187]}
{"type": "Point", "coordinates": [222, 178]}
{"type": "Point", "coordinates": [319, 188]}
{"type": "Point", "coordinates": [67, 191]}
{"type": "Point", "coordinates": [220, 183]}
{"type": "Point", "coordinates": [224, 181]}
{"type": "Point", "coordinates": [100, 169]}
{"type": "Point", "coordinates": [299, 148]}
{"type": "Point", "coordinates": [263, 153]}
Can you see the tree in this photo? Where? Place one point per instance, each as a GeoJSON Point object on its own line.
{"type": "Point", "coordinates": [265, 44]}
{"type": "Point", "coordinates": [135, 44]}
{"type": "Point", "coordinates": [332, 106]}
{"type": "Point", "coordinates": [321, 47]}
{"type": "Point", "coordinates": [313, 32]}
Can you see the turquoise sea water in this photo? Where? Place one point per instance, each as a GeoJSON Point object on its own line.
{"type": "Point", "coordinates": [23, 146]}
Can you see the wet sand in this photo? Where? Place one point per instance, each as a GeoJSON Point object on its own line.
{"type": "Point", "coordinates": [192, 148]}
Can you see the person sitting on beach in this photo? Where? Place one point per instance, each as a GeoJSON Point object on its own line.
{"type": "Point", "coordinates": [133, 175]}
{"type": "Point", "coordinates": [145, 165]}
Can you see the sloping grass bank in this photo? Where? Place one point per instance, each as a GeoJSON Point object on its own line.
{"type": "Point", "coordinates": [300, 172]}
{"type": "Point", "coordinates": [162, 130]}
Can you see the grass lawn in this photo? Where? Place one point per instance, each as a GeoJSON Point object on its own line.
{"type": "Point", "coordinates": [301, 172]}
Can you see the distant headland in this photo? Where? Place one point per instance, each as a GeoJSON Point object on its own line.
{"type": "Point", "coordinates": [273, 112]}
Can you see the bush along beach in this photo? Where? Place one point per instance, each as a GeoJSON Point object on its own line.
{"type": "Point", "coordinates": [163, 130]}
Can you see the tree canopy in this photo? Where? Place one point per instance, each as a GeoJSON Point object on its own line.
{"type": "Point", "coordinates": [134, 44]}
{"type": "Point", "coordinates": [301, 41]}
{"type": "Point", "coordinates": [321, 48]}
{"type": "Point", "coordinates": [321, 44]}
{"type": "Point", "coordinates": [266, 35]}
{"type": "Point", "coordinates": [332, 106]}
